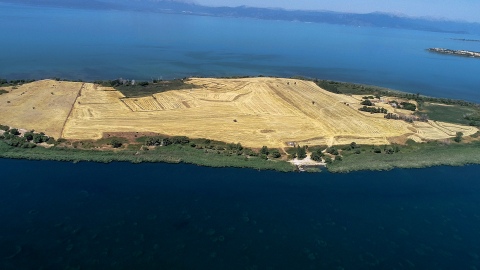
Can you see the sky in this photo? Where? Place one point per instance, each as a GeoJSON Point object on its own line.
{"type": "Point", "coordinates": [465, 10]}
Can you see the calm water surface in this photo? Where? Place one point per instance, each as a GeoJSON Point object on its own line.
{"type": "Point", "coordinates": [46, 42]}
{"type": "Point", "coordinates": [162, 216]}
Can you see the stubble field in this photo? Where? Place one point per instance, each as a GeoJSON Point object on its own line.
{"type": "Point", "coordinates": [251, 111]}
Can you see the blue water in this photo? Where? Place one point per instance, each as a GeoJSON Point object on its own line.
{"type": "Point", "coordinates": [163, 216]}
{"type": "Point", "coordinates": [77, 44]}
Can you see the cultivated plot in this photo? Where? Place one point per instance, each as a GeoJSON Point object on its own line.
{"type": "Point", "coordinates": [252, 111]}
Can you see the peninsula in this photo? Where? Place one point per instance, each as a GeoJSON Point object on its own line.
{"type": "Point", "coordinates": [455, 52]}
{"type": "Point", "coordinates": [258, 122]}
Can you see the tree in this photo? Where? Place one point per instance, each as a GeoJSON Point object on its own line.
{"type": "Point", "coordinates": [367, 103]}
{"type": "Point", "coordinates": [152, 141]}
{"type": "Point", "coordinates": [166, 142]}
{"type": "Point", "coordinates": [115, 143]}
{"type": "Point", "coordinates": [458, 138]}
{"type": "Point", "coordinates": [317, 155]}
{"type": "Point", "coordinates": [14, 131]}
{"type": "Point", "coordinates": [180, 140]}
{"type": "Point", "coordinates": [240, 147]}
{"type": "Point", "coordinates": [37, 138]}
{"type": "Point", "coordinates": [264, 150]}
{"type": "Point", "coordinates": [28, 136]}
{"type": "Point", "coordinates": [274, 153]}
{"type": "Point", "coordinates": [353, 145]}
{"type": "Point", "coordinates": [332, 150]}
{"type": "Point", "coordinates": [301, 152]}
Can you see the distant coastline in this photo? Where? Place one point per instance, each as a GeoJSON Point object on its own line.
{"type": "Point", "coordinates": [455, 52]}
{"type": "Point", "coordinates": [463, 39]}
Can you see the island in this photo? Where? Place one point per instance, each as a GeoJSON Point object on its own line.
{"type": "Point", "coordinates": [283, 124]}
{"type": "Point", "coordinates": [455, 52]}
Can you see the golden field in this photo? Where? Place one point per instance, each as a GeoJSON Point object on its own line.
{"type": "Point", "coordinates": [252, 111]}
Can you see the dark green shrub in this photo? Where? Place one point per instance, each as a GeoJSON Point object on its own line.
{"type": "Point", "coordinates": [166, 142]}
{"type": "Point", "coordinates": [115, 143]}
{"type": "Point", "coordinates": [317, 156]}
{"type": "Point", "coordinates": [180, 140]}
{"type": "Point", "coordinates": [274, 153]}
{"type": "Point", "coordinates": [28, 136]}
{"type": "Point", "coordinates": [459, 137]}
{"type": "Point", "coordinates": [38, 138]}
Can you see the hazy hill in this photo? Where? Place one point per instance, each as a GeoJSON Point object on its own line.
{"type": "Point", "coordinates": [178, 7]}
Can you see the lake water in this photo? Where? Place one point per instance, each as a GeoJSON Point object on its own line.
{"type": "Point", "coordinates": [164, 216]}
{"type": "Point", "coordinates": [161, 216]}
{"type": "Point", "coordinates": [76, 44]}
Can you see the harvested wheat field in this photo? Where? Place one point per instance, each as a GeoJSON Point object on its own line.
{"type": "Point", "coordinates": [43, 106]}
{"type": "Point", "coordinates": [252, 111]}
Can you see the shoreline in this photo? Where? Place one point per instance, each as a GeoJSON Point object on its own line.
{"type": "Point", "coordinates": [335, 158]}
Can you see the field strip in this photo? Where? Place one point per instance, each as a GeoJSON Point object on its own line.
{"type": "Point", "coordinates": [71, 109]}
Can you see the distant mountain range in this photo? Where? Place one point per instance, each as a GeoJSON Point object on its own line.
{"type": "Point", "coordinates": [375, 19]}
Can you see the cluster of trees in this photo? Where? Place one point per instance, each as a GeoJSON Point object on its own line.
{"type": "Point", "coordinates": [332, 151]}
{"type": "Point", "coordinates": [317, 155]}
{"type": "Point", "coordinates": [37, 137]}
{"type": "Point", "coordinates": [156, 141]}
{"type": "Point", "coordinates": [351, 146]}
{"type": "Point", "coordinates": [368, 97]}
{"type": "Point", "coordinates": [407, 118]}
{"type": "Point", "coordinates": [367, 102]}
{"type": "Point", "coordinates": [28, 140]}
{"type": "Point", "coordinates": [357, 89]}
{"type": "Point", "coordinates": [387, 149]}
{"type": "Point", "coordinates": [15, 82]}
{"type": "Point", "coordinates": [408, 106]}
{"type": "Point", "coordinates": [115, 83]}
{"type": "Point", "coordinates": [474, 120]}
{"type": "Point", "coordinates": [115, 143]}
{"type": "Point", "coordinates": [229, 148]}
{"type": "Point", "coordinates": [458, 137]}
{"type": "Point", "coordinates": [265, 153]}
{"type": "Point", "coordinates": [301, 152]}
{"type": "Point", "coordinates": [327, 86]}
{"type": "Point", "coordinates": [373, 109]}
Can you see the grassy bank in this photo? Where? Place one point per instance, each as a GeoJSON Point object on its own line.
{"type": "Point", "coordinates": [168, 154]}
{"type": "Point", "coordinates": [414, 155]}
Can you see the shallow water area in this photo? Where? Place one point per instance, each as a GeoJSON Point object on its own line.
{"type": "Point", "coordinates": [165, 216]}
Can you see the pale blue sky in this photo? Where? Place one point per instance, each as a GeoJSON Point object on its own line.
{"type": "Point", "coordinates": [466, 10]}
